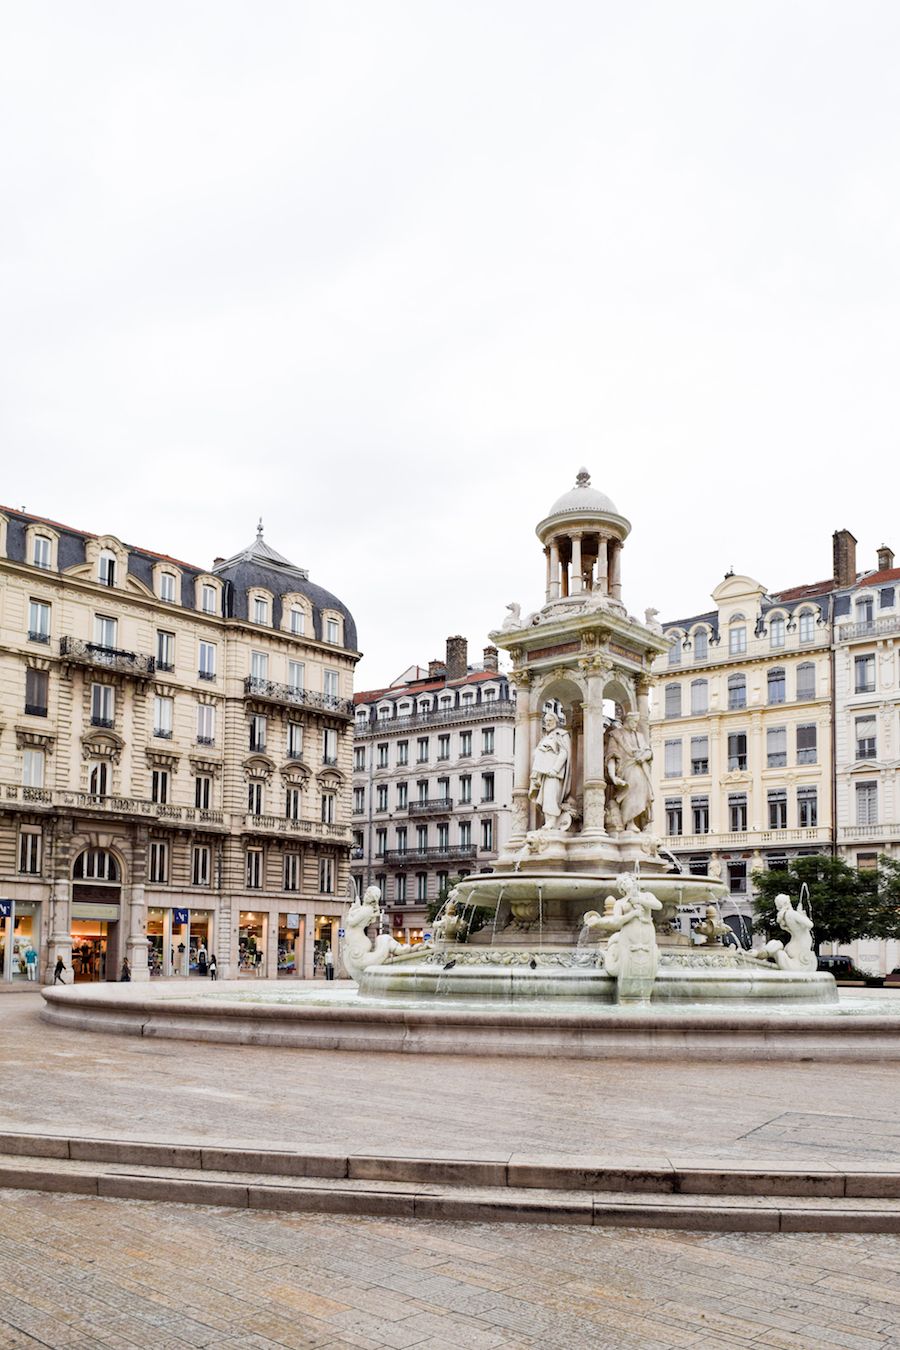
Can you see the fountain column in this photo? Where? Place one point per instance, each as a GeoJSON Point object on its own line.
{"type": "Point", "coordinates": [522, 765]}
{"type": "Point", "coordinates": [577, 583]}
{"type": "Point", "coordinates": [602, 583]}
{"type": "Point", "coordinates": [615, 569]}
{"type": "Point", "coordinates": [596, 674]}
{"type": "Point", "coordinates": [549, 576]}
{"type": "Point", "coordinates": [554, 570]}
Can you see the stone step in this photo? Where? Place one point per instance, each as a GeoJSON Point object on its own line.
{"type": "Point", "coordinates": [723, 1210]}
{"type": "Point", "coordinates": [650, 1176]}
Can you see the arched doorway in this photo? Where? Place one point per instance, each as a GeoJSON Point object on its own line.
{"type": "Point", "coordinates": [95, 922]}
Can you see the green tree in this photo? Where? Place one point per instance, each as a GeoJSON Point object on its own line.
{"type": "Point", "coordinates": [476, 916]}
{"type": "Point", "coordinates": [846, 903]}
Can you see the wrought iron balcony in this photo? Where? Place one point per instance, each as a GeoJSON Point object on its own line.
{"type": "Point", "coordinates": [289, 696]}
{"type": "Point", "coordinates": [499, 708]}
{"type": "Point", "coordinates": [203, 740]}
{"type": "Point", "coordinates": [38, 637]}
{"type": "Point", "coordinates": [438, 806]}
{"type": "Point", "coordinates": [36, 709]}
{"type": "Point", "coordinates": [163, 733]}
{"type": "Point", "coordinates": [890, 623]}
{"type": "Point", "coordinates": [107, 722]}
{"type": "Point", "coordinates": [402, 857]}
{"type": "Point", "coordinates": [83, 653]}
{"type": "Point", "coordinates": [206, 674]}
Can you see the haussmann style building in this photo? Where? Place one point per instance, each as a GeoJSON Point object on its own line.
{"type": "Point", "coordinates": [175, 759]}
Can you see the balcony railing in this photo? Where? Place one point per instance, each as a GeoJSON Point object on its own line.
{"type": "Point", "coordinates": [289, 696]}
{"type": "Point", "coordinates": [469, 712]}
{"type": "Point", "coordinates": [64, 799]}
{"type": "Point", "coordinates": [402, 856]}
{"type": "Point", "coordinates": [869, 832]}
{"type": "Point", "coordinates": [106, 722]}
{"type": "Point", "coordinates": [746, 839]}
{"type": "Point", "coordinates": [37, 637]}
{"type": "Point", "coordinates": [164, 733]}
{"type": "Point", "coordinates": [438, 806]}
{"type": "Point", "coordinates": [35, 709]}
{"type": "Point", "coordinates": [111, 658]}
{"type": "Point", "coordinates": [204, 740]}
{"type": "Point", "coordinates": [317, 829]}
{"type": "Point", "coordinates": [873, 628]}
{"type": "Point", "coordinates": [206, 674]}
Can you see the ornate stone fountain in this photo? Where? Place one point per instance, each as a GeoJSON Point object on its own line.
{"type": "Point", "coordinates": [582, 905]}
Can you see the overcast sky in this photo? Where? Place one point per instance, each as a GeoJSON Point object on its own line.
{"type": "Point", "coordinates": [388, 274]}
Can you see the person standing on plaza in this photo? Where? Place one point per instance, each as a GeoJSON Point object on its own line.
{"type": "Point", "coordinates": [213, 967]}
{"type": "Point", "coordinates": [329, 964]}
{"type": "Point", "coordinates": [126, 972]}
{"type": "Point", "coordinates": [58, 971]}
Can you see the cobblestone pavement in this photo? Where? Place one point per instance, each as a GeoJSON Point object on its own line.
{"type": "Point", "coordinates": [78, 1272]}
{"type": "Point", "coordinates": [57, 1080]}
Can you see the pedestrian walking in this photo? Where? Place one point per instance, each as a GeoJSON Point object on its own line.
{"type": "Point", "coordinates": [329, 964]}
{"type": "Point", "coordinates": [58, 971]}
{"type": "Point", "coordinates": [126, 972]}
{"type": "Point", "coordinates": [213, 967]}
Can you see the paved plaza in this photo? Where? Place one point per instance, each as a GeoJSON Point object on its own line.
{"type": "Point", "coordinates": [78, 1271]}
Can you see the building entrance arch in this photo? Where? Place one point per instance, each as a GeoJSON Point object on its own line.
{"type": "Point", "coordinates": [95, 925]}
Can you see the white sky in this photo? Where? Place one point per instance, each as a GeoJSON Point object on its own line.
{"type": "Point", "coordinates": [389, 273]}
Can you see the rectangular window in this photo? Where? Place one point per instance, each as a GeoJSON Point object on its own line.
{"type": "Point", "coordinates": [296, 677]}
{"type": "Point", "coordinates": [776, 747]}
{"type": "Point", "coordinates": [443, 747]}
{"type": "Point", "coordinates": [106, 570]}
{"type": "Point", "coordinates": [487, 741]}
{"type": "Point", "coordinates": [699, 755]}
{"type": "Point", "coordinates": [487, 787]}
{"type": "Point", "coordinates": [206, 724]}
{"type": "Point", "coordinates": [674, 816]}
{"type": "Point", "coordinates": [200, 865]}
{"type": "Point", "coordinates": [422, 750]}
{"type": "Point", "coordinates": [359, 759]}
{"type": "Point", "coordinates": [465, 744]}
{"type": "Point", "coordinates": [328, 808]}
{"type": "Point", "coordinates": [402, 754]}
{"type": "Point", "coordinates": [380, 843]}
{"type": "Point", "coordinates": [208, 599]}
{"type": "Point", "coordinates": [207, 661]}
{"type": "Point", "coordinates": [254, 869]}
{"type": "Point", "coordinates": [38, 621]}
{"type": "Point", "coordinates": [737, 878]}
{"type": "Point", "coordinates": [443, 837]}
{"type": "Point", "coordinates": [699, 697]}
{"type": "Point", "coordinates": [422, 786]}
{"type": "Point", "coordinates": [776, 685]}
{"type": "Point", "coordinates": [807, 750]}
{"type": "Point", "coordinates": [294, 740]}
{"type": "Point", "coordinates": [443, 789]}
{"type": "Point", "coordinates": [865, 737]}
{"type": "Point", "coordinates": [777, 799]}
{"type": "Point", "coordinates": [866, 862]}
{"type": "Point", "coordinates": [806, 681]}
{"type": "Point", "coordinates": [326, 876]}
{"type": "Point", "coordinates": [332, 630]}
{"type": "Point", "coordinates": [166, 586]}
{"type": "Point", "coordinates": [737, 751]}
{"type": "Point", "coordinates": [255, 798]}
{"type": "Point", "coordinates": [487, 835]}
{"type": "Point", "coordinates": [402, 796]}
{"type": "Point", "coordinates": [400, 889]}
{"type": "Point", "coordinates": [673, 700]}
{"type": "Point", "coordinates": [292, 872]}
{"type": "Point", "coordinates": [259, 665]}
{"type": "Point", "coordinates": [776, 633]}
{"type": "Point", "coordinates": [159, 862]}
{"type": "Point", "coordinates": [737, 692]}
{"type": "Point", "coordinates": [421, 887]}
{"type": "Point", "coordinates": [98, 783]}
{"type": "Point", "coordinates": [672, 761]}
{"type": "Point", "coordinates": [421, 838]}
{"type": "Point", "coordinates": [701, 645]}
{"type": "Point", "coordinates": [737, 812]}
{"type": "Point", "coordinates": [465, 833]}
{"type": "Point", "coordinates": [381, 797]}
{"type": "Point", "coordinates": [258, 731]}
{"type": "Point", "coordinates": [165, 650]}
{"type": "Point", "coordinates": [292, 803]}
{"type": "Point", "coordinates": [700, 815]}
{"type": "Point", "coordinates": [202, 791]}
{"type": "Point", "coordinates": [381, 758]}
{"type": "Point", "coordinates": [465, 789]}
{"type": "Point", "coordinates": [102, 705]}
{"type": "Point", "coordinates": [42, 551]}
{"type": "Point", "coordinates": [864, 672]}
{"type": "Point", "coordinates": [807, 626]}
{"type": "Point", "coordinates": [105, 631]}
{"type": "Point", "coordinates": [30, 850]}
{"type": "Point", "coordinates": [37, 684]}
{"type": "Point", "coordinates": [675, 651]}
{"type": "Point", "coordinates": [359, 801]}
{"type": "Point", "coordinates": [737, 641]}
{"type": "Point", "coordinates": [33, 768]}
{"type": "Point", "coordinates": [807, 808]}
{"type": "Point", "coordinates": [402, 834]}
{"type": "Point", "coordinates": [329, 746]}
{"type": "Point", "coordinates": [260, 610]}
{"type": "Point", "coordinates": [159, 786]}
{"type": "Point", "coordinates": [867, 803]}
{"type": "Point", "coordinates": [330, 683]}
{"type": "Point", "coordinates": [298, 622]}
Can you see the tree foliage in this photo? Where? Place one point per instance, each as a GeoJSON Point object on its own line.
{"type": "Point", "coordinates": [846, 904]}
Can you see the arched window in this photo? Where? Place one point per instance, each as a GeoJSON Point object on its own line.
{"type": "Point", "coordinates": [806, 680]}
{"type": "Point", "coordinates": [737, 691]}
{"type": "Point", "coordinates": [673, 700]}
{"type": "Point", "coordinates": [737, 635]}
{"type": "Point", "coordinates": [699, 697]}
{"type": "Point", "coordinates": [776, 632]}
{"type": "Point", "coordinates": [675, 649]}
{"type": "Point", "coordinates": [777, 686]}
{"type": "Point", "coordinates": [807, 625]}
{"type": "Point", "coordinates": [96, 864]}
{"type": "Point", "coordinates": [701, 644]}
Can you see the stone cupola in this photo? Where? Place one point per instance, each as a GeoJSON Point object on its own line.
{"type": "Point", "coordinates": [582, 538]}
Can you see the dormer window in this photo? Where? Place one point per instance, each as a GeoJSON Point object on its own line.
{"type": "Point", "coordinates": [208, 599]}
{"type": "Point", "coordinates": [332, 630]}
{"type": "Point", "coordinates": [675, 650]}
{"type": "Point", "coordinates": [42, 552]}
{"type": "Point", "coordinates": [106, 568]}
{"type": "Point", "coordinates": [701, 645]}
{"type": "Point", "coordinates": [166, 586]}
{"type": "Point", "coordinates": [298, 621]}
{"type": "Point", "coordinates": [776, 632]}
{"type": "Point", "coordinates": [260, 610]}
{"type": "Point", "coordinates": [737, 636]}
{"type": "Point", "coordinates": [865, 609]}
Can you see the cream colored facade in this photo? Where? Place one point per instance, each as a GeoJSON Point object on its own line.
{"type": "Point", "coordinates": [175, 758]}
{"type": "Point", "coordinates": [741, 732]}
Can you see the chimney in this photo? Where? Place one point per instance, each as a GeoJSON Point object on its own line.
{"type": "Point", "coordinates": [217, 562]}
{"type": "Point", "coordinates": [457, 657]}
{"type": "Point", "coordinates": [490, 658]}
{"type": "Point", "coordinates": [885, 558]}
{"type": "Point", "coordinates": [437, 670]}
{"type": "Point", "coordinates": [844, 558]}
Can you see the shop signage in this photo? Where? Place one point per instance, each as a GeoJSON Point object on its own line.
{"type": "Point", "coordinates": [293, 920]}
{"type": "Point", "coordinates": [179, 916]}
{"type": "Point", "coordinates": [426, 937]}
{"type": "Point", "coordinates": [91, 909]}
{"type": "Point", "coordinates": [341, 933]}
{"type": "Point", "coordinates": [5, 909]}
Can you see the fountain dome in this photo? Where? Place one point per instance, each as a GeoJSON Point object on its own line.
{"type": "Point", "coordinates": [583, 498]}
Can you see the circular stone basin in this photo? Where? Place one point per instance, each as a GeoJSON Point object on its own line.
{"type": "Point", "coordinates": [310, 1017]}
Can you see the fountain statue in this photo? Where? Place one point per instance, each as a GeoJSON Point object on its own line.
{"type": "Point", "coordinates": [797, 953]}
{"type": "Point", "coordinates": [359, 952]}
{"type": "Point", "coordinates": [582, 820]}
{"type": "Point", "coordinates": [712, 928]}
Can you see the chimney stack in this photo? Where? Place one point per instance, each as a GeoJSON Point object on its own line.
{"type": "Point", "coordinates": [844, 558]}
{"type": "Point", "coordinates": [437, 670]}
{"type": "Point", "coordinates": [491, 658]}
{"type": "Point", "coordinates": [885, 558]}
{"type": "Point", "coordinates": [217, 562]}
{"type": "Point", "coordinates": [457, 657]}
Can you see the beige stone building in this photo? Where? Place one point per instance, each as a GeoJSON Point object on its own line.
{"type": "Point", "coordinates": [175, 759]}
{"type": "Point", "coordinates": [742, 733]}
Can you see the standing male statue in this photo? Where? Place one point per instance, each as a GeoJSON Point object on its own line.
{"type": "Point", "coordinates": [551, 771]}
{"type": "Point", "coordinates": [628, 756]}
